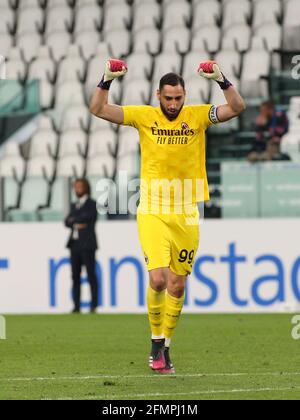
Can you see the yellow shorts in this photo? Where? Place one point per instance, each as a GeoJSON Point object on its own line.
{"type": "Point", "coordinates": [170, 240]}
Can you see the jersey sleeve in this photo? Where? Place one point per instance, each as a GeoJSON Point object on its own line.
{"type": "Point", "coordinates": [134, 115]}
{"type": "Point", "coordinates": [208, 115]}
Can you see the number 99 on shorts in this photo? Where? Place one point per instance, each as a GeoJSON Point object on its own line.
{"type": "Point", "coordinates": [186, 256]}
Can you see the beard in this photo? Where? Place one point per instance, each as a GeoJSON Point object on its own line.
{"type": "Point", "coordinates": [171, 117]}
{"type": "Point", "coordinates": [80, 194]}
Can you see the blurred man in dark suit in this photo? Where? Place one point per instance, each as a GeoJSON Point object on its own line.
{"type": "Point", "coordinates": [83, 242]}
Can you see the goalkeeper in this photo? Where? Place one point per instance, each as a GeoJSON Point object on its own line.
{"type": "Point", "coordinates": [172, 138]}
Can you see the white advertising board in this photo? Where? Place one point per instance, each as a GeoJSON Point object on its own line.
{"type": "Point", "coordinates": [241, 266]}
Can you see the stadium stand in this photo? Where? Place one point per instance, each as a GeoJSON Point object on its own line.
{"type": "Point", "coordinates": [64, 43]}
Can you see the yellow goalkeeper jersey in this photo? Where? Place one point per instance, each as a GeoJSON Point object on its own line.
{"type": "Point", "coordinates": [173, 157]}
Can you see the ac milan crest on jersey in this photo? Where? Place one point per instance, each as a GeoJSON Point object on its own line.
{"type": "Point", "coordinates": [185, 126]}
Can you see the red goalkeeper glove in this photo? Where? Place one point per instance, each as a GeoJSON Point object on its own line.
{"type": "Point", "coordinates": [113, 70]}
{"type": "Point", "coordinates": [211, 70]}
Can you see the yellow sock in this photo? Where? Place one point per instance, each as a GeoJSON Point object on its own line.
{"type": "Point", "coordinates": [156, 311]}
{"type": "Point", "coordinates": [172, 314]}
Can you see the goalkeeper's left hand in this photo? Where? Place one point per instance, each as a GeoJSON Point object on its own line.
{"type": "Point", "coordinates": [211, 70]}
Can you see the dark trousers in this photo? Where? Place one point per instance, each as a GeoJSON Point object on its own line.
{"type": "Point", "coordinates": [80, 258]}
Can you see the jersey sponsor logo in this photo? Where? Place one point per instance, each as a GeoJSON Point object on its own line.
{"type": "Point", "coordinates": [172, 133]}
{"type": "Point", "coordinates": [185, 126]}
{"type": "Point", "coordinates": [173, 137]}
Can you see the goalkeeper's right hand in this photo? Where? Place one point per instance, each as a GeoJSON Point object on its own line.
{"type": "Point", "coordinates": [211, 70]}
{"type": "Point", "coordinates": [113, 70]}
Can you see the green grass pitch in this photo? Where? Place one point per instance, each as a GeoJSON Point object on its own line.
{"type": "Point", "coordinates": [105, 357]}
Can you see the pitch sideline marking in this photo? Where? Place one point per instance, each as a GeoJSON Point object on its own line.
{"type": "Point", "coordinates": [155, 376]}
{"type": "Point", "coordinates": [211, 392]}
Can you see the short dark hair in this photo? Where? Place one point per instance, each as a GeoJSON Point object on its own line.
{"type": "Point", "coordinates": [86, 184]}
{"type": "Point", "coordinates": [171, 79]}
{"type": "Point", "coordinates": [269, 104]}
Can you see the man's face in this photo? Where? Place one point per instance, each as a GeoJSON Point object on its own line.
{"type": "Point", "coordinates": [171, 100]}
{"type": "Point", "coordinates": [79, 188]}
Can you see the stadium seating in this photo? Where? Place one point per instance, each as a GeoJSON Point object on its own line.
{"type": "Point", "coordinates": [266, 12]}
{"type": "Point", "coordinates": [164, 63]}
{"type": "Point", "coordinates": [72, 67]}
{"type": "Point", "coordinates": [147, 40]}
{"type": "Point", "coordinates": [31, 18]}
{"type": "Point", "coordinates": [119, 42]}
{"type": "Point", "coordinates": [29, 44]}
{"type": "Point", "coordinates": [291, 26]}
{"type": "Point", "coordinates": [54, 210]}
{"type": "Point", "coordinates": [294, 112]}
{"type": "Point", "coordinates": [101, 166]}
{"type": "Point", "coordinates": [41, 167]}
{"type": "Point", "coordinates": [198, 90]}
{"type": "Point", "coordinates": [128, 141]}
{"type": "Point", "coordinates": [69, 93]}
{"type": "Point", "coordinates": [117, 16]}
{"type": "Point", "coordinates": [176, 39]}
{"type": "Point", "coordinates": [72, 143]}
{"type": "Point", "coordinates": [12, 164]}
{"type": "Point", "coordinates": [71, 166]}
{"type": "Point", "coordinates": [98, 124]}
{"type": "Point", "coordinates": [191, 61]}
{"type": "Point", "coordinates": [11, 194]}
{"type": "Point", "coordinates": [271, 32]}
{"type": "Point", "coordinates": [141, 66]}
{"type": "Point", "coordinates": [256, 65]}
{"type": "Point", "coordinates": [25, 4]}
{"type": "Point", "coordinates": [129, 164]}
{"type": "Point", "coordinates": [291, 145]}
{"type": "Point", "coordinates": [176, 14]}
{"type": "Point", "coordinates": [7, 20]}
{"type": "Point", "coordinates": [231, 62]}
{"type": "Point", "coordinates": [59, 18]}
{"type": "Point", "coordinates": [237, 37]}
{"type": "Point", "coordinates": [146, 15]}
{"type": "Point", "coordinates": [15, 66]}
{"type": "Point", "coordinates": [136, 92]}
{"type": "Point", "coordinates": [88, 18]}
{"type": "Point", "coordinates": [6, 42]}
{"type": "Point", "coordinates": [87, 41]}
{"type": "Point", "coordinates": [58, 42]}
{"type": "Point", "coordinates": [75, 117]}
{"type": "Point", "coordinates": [44, 143]}
{"type": "Point", "coordinates": [206, 13]}
{"type": "Point", "coordinates": [34, 195]}
{"type": "Point", "coordinates": [102, 143]}
{"type": "Point", "coordinates": [236, 12]}
{"type": "Point", "coordinates": [43, 69]}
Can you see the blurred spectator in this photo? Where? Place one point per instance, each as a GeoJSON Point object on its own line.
{"type": "Point", "coordinates": [270, 126]}
{"type": "Point", "coordinates": [83, 242]}
{"type": "Point", "coordinates": [273, 153]}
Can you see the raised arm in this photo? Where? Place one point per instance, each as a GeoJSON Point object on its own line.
{"type": "Point", "coordinates": [235, 103]}
{"type": "Point", "coordinates": [99, 105]}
